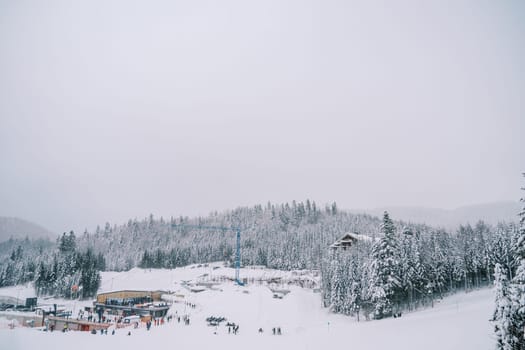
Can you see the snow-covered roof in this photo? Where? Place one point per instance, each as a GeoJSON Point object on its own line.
{"type": "Point", "coordinates": [348, 239]}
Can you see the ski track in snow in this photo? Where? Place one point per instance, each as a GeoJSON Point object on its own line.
{"type": "Point", "coordinates": [457, 322]}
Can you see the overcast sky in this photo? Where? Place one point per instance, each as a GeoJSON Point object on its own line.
{"type": "Point", "coordinates": [112, 110]}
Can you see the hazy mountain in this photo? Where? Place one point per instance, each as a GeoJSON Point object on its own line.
{"type": "Point", "coordinates": [19, 228]}
{"type": "Point", "coordinates": [491, 213]}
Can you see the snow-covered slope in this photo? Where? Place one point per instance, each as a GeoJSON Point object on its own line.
{"type": "Point", "coordinates": [458, 322]}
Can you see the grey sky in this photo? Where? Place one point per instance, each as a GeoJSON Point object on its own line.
{"type": "Point", "coordinates": [111, 110]}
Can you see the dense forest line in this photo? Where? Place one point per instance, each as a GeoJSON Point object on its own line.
{"type": "Point", "coordinates": [60, 270]}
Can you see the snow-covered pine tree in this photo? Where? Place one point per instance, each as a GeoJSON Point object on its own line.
{"type": "Point", "coordinates": [339, 284]}
{"type": "Point", "coordinates": [500, 248]}
{"type": "Point", "coordinates": [502, 318]}
{"type": "Point", "coordinates": [326, 280]}
{"type": "Point", "coordinates": [410, 267]}
{"type": "Point", "coordinates": [518, 286]}
{"type": "Point", "coordinates": [355, 287]}
{"type": "Point", "coordinates": [385, 271]}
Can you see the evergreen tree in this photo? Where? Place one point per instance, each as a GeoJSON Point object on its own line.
{"type": "Point", "coordinates": [518, 286]}
{"type": "Point", "coordinates": [385, 271]}
{"type": "Point", "coordinates": [41, 281]}
{"type": "Point", "coordinates": [502, 318]}
{"type": "Point", "coordinates": [339, 287]}
{"type": "Point", "coordinates": [67, 243]}
{"type": "Point", "coordinates": [355, 287]}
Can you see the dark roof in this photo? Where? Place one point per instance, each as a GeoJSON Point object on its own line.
{"type": "Point", "coordinates": [348, 239]}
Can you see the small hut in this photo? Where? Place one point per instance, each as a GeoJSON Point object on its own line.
{"type": "Point", "coordinates": [64, 323]}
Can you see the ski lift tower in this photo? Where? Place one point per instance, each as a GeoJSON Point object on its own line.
{"type": "Point", "coordinates": [237, 231]}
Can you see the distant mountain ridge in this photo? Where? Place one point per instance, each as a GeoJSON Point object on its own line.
{"type": "Point", "coordinates": [11, 227]}
{"type": "Point", "coordinates": [490, 213]}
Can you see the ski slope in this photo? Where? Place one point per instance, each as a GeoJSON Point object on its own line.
{"type": "Point", "coordinates": [457, 322]}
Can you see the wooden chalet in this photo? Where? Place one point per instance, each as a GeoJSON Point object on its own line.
{"type": "Point", "coordinates": [348, 240]}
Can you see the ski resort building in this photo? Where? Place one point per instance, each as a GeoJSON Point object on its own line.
{"type": "Point", "coordinates": [132, 302]}
{"type": "Point", "coordinates": [133, 296]}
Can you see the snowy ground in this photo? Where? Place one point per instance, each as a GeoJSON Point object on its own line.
{"type": "Point", "coordinates": [458, 322]}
